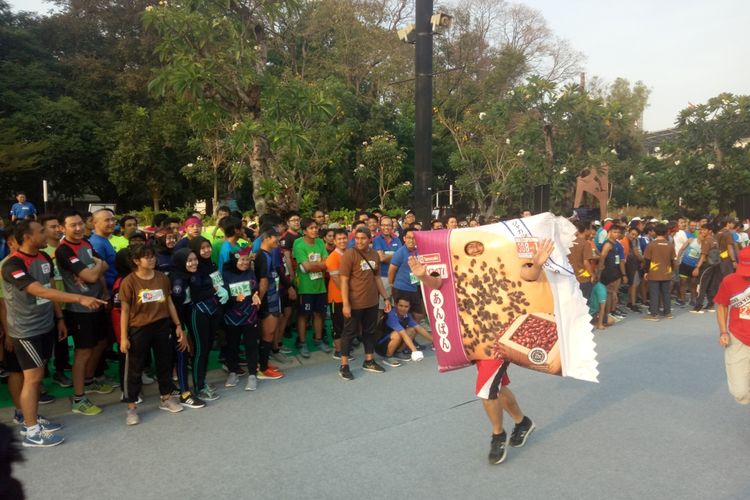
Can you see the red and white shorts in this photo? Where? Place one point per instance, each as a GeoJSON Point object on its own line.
{"type": "Point", "coordinates": [489, 378]}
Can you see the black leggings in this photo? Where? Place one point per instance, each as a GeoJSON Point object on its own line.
{"type": "Point", "coordinates": [367, 320]}
{"type": "Point", "coordinates": [251, 335]}
{"type": "Point", "coordinates": [337, 319]}
{"type": "Point", "coordinates": [155, 336]}
{"type": "Point", "coordinates": [203, 328]}
{"type": "Point", "coordinates": [180, 365]}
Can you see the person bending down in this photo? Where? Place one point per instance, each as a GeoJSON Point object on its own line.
{"type": "Point", "coordinates": [399, 331]}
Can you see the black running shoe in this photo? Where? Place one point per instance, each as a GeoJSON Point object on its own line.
{"type": "Point", "coordinates": [521, 431]}
{"type": "Point", "coordinates": [372, 366]}
{"type": "Point", "coordinates": [345, 372]}
{"type": "Point", "coordinates": [497, 448]}
{"type": "Point", "coordinates": [188, 400]}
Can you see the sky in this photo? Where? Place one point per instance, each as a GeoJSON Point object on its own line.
{"type": "Point", "coordinates": [684, 51]}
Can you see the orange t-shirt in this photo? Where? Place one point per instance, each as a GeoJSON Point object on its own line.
{"type": "Point", "coordinates": [333, 263]}
{"type": "Point", "coordinates": [625, 242]}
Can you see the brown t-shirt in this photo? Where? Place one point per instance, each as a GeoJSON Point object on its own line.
{"type": "Point", "coordinates": [580, 252]}
{"type": "Point", "coordinates": [147, 298]}
{"type": "Point", "coordinates": [725, 242]}
{"type": "Point", "coordinates": [708, 243]}
{"type": "Point", "coordinates": [661, 254]}
{"type": "Point", "coordinates": [363, 291]}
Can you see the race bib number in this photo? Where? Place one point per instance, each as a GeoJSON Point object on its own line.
{"type": "Point", "coordinates": [240, 289]}
{"type": "Point", "coordinates": [365, 266]}
{"type": "Point", "coordinates": [313, 257]}
{"type": "Point", "coordinates": [147, 296]}
{"type": "Point", "coordinates": [617, 260]}
{"type": "Point", "coordinates": [217, 279]}
{"type": "Point", "coordinates": [694, 253]}
{"type": "Point", "coordinates": [526, 247]}
{"type": "Point", "coordinates": [745, 312]}
{"type": "Point", "coordinates": [315, 276]}
{"type": "Point", "coordinates": [39, 300]}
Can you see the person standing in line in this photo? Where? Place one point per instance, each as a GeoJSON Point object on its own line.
{"type": "Point", "coordinates": [34, 320]}
{"type": "Point", "coordinates": [333, 264]}
{"type": "Point", "coordinates": [147, 322]}
{"type": "Point", "coordinates": [82, 271]}
{"type": "Point", "coordinates": [659, 259]}
{"type": "Point", "coordinates": [270, 301]}
{"type": "Point", "coordinates": [386, 244]}
{"type": "Point", "coordinates": [360, 287]}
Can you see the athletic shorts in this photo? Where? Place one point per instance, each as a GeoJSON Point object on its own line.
{"type": "Point", "coordinates": [310, 303]}
{"type": "Point", "coordinates": [11, 361]}
{"type": "Point", "coordinates": [686, 271]}
{"type": "Point", "coordinates": [87, 329]}
{"type": "Point", "coordinates": [415, 298]}
{"type": "Point", "coordinates": [381, 346]}
{"type": "Point", "coordinates": [285, 302]}
{"type": "Point", "coordinates": [489, 378]}
{"type": "Point", "coordinates": [33, 352]}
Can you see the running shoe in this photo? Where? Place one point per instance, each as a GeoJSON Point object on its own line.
{"type": "Point", "coordinates": [270, 374]}
{"type": "Point", "coordinates": [417, 356]}
{"type": "Point", "coordinates": [697, 310]}
{"type": "Point", "coordinates": [280, 357]}
{"type": "Point", "coordinates": [419, 346]}
{"type": "Point", "coordinates": [98, 388]}
{"type": "Point", "coordinates": [42, 439]}
{"type": "Point", "coordinates": [4, 373]}
{"type": "Point", "coordinates": [131, 417]}
{"type": "Point", "coordinates": [651, 317]}
{"type": "Point", "coordinates": [146, 380]}
{"type": "Point", "coordinates": [710, 308]}
{"type": "Point", "coordinates": [498, 449]}
{"type": "Point", "coordinates": [45, 399]}
{"type": "Point", "coordinates": [188, 400]}
{"type": "Point", "coordinates": [680, 303]}
{"type": "Point", "coordinates": [635, 308]}
{"type": "Point", "coordinates": [372, 366]}
{"type": "Point", "coordinates": [170, 405]}
{"type": "Point", "coordinates": [521, 432]}
{"type": "Point", "coordinates": [208, 394]}
{"type": "Point", "coordinates": [44, 424]}
{"type": "Point", "coordinates": [304, 351]}
{"type": "Point", "coordinates": [86, 407]}
{"type": "Point", "coordinates": [322, 345]}
{"type": "Point", "coordinates": [403, 355]}
{"type": "Point", "coordinates": [345, 372]}
{"type": "Point", "coordinates": [232, 380]}
{"type": "Point", "coordinates": [104, 380]}
{"type": "Point", "coordinates": [252, 383]}
{"type": "Point", "coordinates": [285, 350]}
{"type": "Point", "coordinates": [667, 316]}
{"type": "Point", "coordinates": [392, 361]}
{"type": "Point", "coordinates": [62, 380]}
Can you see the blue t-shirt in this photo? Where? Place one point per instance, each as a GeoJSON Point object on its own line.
{"type": "Point", "coordinates": [226, 252]}
{"type": "Point", "coordinates": [405, 279]}
{"type": "Point", "coordinates": [23, 210]}
{"type": "Point", "coordinates": [106, 251]}
{"type": "Point", "coordinates": [598, 297]}
{"type": "Point", "coordinates": [379, 243]}
{"type": "Point", "coordinates": [396, 323]}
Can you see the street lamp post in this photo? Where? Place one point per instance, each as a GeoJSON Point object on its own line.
{"type": "Point", "coordinates": [423, 112]}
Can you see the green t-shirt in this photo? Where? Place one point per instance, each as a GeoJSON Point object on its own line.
{"type": "Point", "coordinates": [118, 242]}
{"type": "Point", "coordinates": [310, 283]}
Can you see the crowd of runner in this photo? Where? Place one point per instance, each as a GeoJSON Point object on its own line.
{"type": "Point", "coordinates": [157, 300]}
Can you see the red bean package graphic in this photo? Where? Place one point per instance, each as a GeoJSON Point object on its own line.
{"type": "Point", "coordinates": [484, 309]}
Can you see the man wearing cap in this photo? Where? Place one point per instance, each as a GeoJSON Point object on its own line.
{"type": "Point", "coordinates": [733, 316]}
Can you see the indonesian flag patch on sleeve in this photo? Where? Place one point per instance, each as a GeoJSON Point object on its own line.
{"type": "Point", "coordinates": [18, 274]}
{"type": "Point", "coordinates": [74, 260]}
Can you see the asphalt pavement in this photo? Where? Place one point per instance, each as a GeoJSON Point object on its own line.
{"type": "Point", "coordinates": [659, 424]}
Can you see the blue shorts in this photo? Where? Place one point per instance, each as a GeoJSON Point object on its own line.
{"type": "Point", "coordinates": [312, 303]}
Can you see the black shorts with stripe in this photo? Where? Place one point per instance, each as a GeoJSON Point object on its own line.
{"type": "Point", "coordinates": [33, 352]}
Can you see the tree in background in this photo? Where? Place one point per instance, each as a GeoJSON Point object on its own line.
{"type": "Point", "coordinates": [382, 163]}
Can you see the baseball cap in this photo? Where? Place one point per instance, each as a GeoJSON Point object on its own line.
{"type": "Point", "coordinates": [597, 223]}
{"type": "Point", "coordinates": [743, 263]}
{"type": "Point", "coordinates": [138, 234]}
{"type": "Point", "coordinates": [636, 219]}
{"type": "Point", "coordinates": [607, 219]}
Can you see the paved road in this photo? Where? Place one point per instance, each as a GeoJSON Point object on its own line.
{"type": "Point", "coordinates": [660, 424]}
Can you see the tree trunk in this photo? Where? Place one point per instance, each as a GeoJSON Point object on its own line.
{"type": "Point", "coordinates": [216, 191]}
{"type": "Point", "coordinates": [156, 198]}
{"type": "Point", "coordinates": [259, 172]}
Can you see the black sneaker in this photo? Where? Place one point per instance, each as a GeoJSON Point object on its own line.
{"type": "Point", "coordinates": [372, 366]}
{"type": "Point", "coordinates": [635, 308]}
{"type": "Point", "coordinates": [697, 310]}
{"type": "Point", "coordinates": [521, 431]}
{"type": "Point", "coordinates": [497, 448]}
{"type": "Point", "coordinates": [188, 400]}
{"type": "Point", "coordinates": [710, 307]}
{"type": "Point", "coordinates": [345, 372]}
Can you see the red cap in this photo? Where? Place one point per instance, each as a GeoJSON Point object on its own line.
{"type": "Point", "coordinates": [743, 263]}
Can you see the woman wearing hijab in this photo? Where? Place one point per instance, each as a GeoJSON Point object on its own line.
{"type": "Point", "coordinates": [183, 267]}
{"type": "Point", "coordinates": [165, 242]}
{"type": "Point", "coordinates": [208, 294]}
{"type": "Point", "coordinates": [241, 316]}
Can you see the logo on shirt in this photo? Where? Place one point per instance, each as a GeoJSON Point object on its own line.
{"type": "Point", "coordinates": [46, 268]}
{"type": "Point", "coordinates": [146, 296]}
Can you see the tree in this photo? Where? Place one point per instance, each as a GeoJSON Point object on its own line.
{"type": "Point", "coordinates": [150, 146]}
{"type": "Point", "coordinates": [382, 162]}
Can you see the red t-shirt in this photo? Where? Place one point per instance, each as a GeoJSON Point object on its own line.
{"type": "Point", "coordinates": [734, 292]}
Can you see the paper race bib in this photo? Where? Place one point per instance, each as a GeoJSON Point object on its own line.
{"type": "Point", "coordinates": [745, 312]}
{"type": "Point", "coordinates": [146, 296]}
{"type": "Point", "coordinates": [365, 266]}
{"type": "Point", "coordinates": [217, 279]}
{"type": "Point", "coordinates": [240, 289]}
{"type": "Point", "coordinates": [39, 300]}
{"type": "Point", "coordinates": [694, 253]}
{"type": "Point", "coordinates": [617, 260]}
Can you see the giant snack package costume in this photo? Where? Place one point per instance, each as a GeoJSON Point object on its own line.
{"type": "Point", "coordinates": [485, 310]}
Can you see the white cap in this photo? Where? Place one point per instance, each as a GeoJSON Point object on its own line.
{"type": "Point", "coordinates": [653, 220]}
{"type": "Point", "coordinates": [637, 219]}
{"type": "Point", "coordinates": [597, 223]}
{"type": "Point", "coordinates": [607, 219]}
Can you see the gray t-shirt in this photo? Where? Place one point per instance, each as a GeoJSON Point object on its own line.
{"type": "Point", "coordinates": [27, 314]}
{"type": "Point", "coordinates": [72, 258]}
